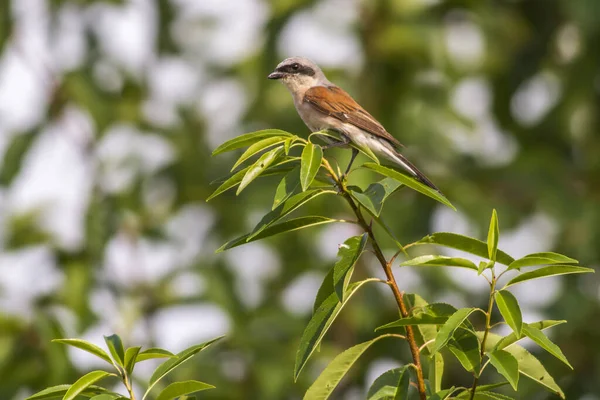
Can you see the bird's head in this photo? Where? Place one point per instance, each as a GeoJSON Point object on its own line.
{"type": "Point", "coordinates": [298, 73]}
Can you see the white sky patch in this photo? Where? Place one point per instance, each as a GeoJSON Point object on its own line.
{"type": "Point", "coordinates": [69, 46]}
{"type": "Point", "coordinates": [472, 97]}
{"type": "Point", "coordinates": [299, 296]}
{"type": "Point", "coordinates": [465, 42]}
{"type": "Point", "coordinates": [331, 236]}
{"type": "Point", "coordinates": [377, 368]}
{"type": "Point", "coordinates": [568, 42]}
{"type": "Point", "coordinates": [188, 230]}
{"type": "Point", "coordinates": [535, 98]}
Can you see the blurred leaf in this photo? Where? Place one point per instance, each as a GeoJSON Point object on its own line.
{"type": "Point", "coordinates": [493, 235]}
{"type": "Point", "coordinates": [410, 182]}
{"type": "Point", "coordinates": [465, 347]}
{"type": "Point", "coordinates": [154, 352]}
{"type": "Point", "coordinates": [391, 385]}
{"type": "Point", "coordinates": [259, 167]}
{"type": "Point", "coordinates": [109, 396]}
{"type": "Point", "coordinates": [15, 154]}
{"type": "Point", "coordinates": [510, 310]}
{"type": "Point", "coordinates": [249, 139]}
{"type": "Point", "coordinates": [538, 336]}
{"type": "Point", "coordinates": [536, 259]}
{"type": "Point", "coordinates": [287, 226]}
{"type": "Point", "coordinates": [552, 270]}
{"type": "Point", "coordinates": [172, 363]}
{"type": "Point", "coordinates": [466, 244]}
{"type": "Point", "coordinates": [436, 371]}
{"type": "Point", "coordinates": [439, 261]}
{"type": "Point", "coordinates": [287, 187]}
{"type": "Point", "coordinates": [178, 389]}
{"type": "Point", "coordinates": [466, 394]}
{"type": "Point", "coordinates": [512, 338]}
{"type": "Point", "coordinates": [490, 396]}
{"type": "Point", "coordinates": [130, 359]}
{"type": "Point", "coordinates": [291, 205]}
{"type": "Point", "coordinates": [348, 254]}
{"type": "Point", "coordinates": [320, 322]}
{"type": "Point", "coordinates": [506, 365]}
{"type": "Point", "coordinates": [311, 162]}
{"type": "Point", "coordinates": [447, 330]}
{"type": "Point", "coordinates": [257, 148]}
{"type": "Point", "coordinates": [442, 394]}
{"type": "Point", "coordinates": [376, 194]}
{"type": "Point", "coordinates": [115, 346]}
{"type": "Point", "coordinates": [86, 346]}
{"type": "Point", "coordinates": [84, 382]}
{"type": "Point", "coordinates": [59, 391]}
{"type": "Point", "coordinates": [335, 371]}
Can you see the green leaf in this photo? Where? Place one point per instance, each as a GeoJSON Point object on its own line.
{"type": "Point", "coordinates": [542, 340]}
{"type": "Point", "coordinates": [447, 330]}
{"type": "Point", "coordinates": [506, 365]}
{"type": "Point", "coordinates": [439, 261]}
{"type": "Point", "coordinates": [257, 148]}
{"type": "Point", "coordinates": [535, 259]}
{"type": "Point", "coordinates": [86, 346]}
{"type": "Point", "coordinates": [376, 194]}
{"type": "Point", "coordinates": [418, 319]}
{"type": "Point", "coordinates": [310, 164]}
{"type": "Point", "coordinates": [153, 353]}
{"type": "Point", "coordinates": [291, 205]}
{"type": "Point", "coordinates": [130, 359]}
{"type": "Point", "coordinates": [466, 394]}
{"type": "Point", "coordinates": [325, 290]}
{"type": "Point", "coordinates": [287, 187]}
{"type": "Point", "coordinates": [84, 382]}
{"type": "Point", "coordinates": [58, 392]}
{"type": "Point", "coordinates": [115, 346]}
{"type": "Point", "coordinates": [410, 182]}
{"type": "Point", "coordinates": [552, 270]}
{"type": "Point", "coordinates": [442, 394]}
{"type": "Point", "coordinates": [178, 389]}
{"type": "Point", "coordinates": [512, 338]}
{"type": "Point", "coordinates": [436, 371]}
{"type": "Point", "coordinates": [320, 322]}
{"type": "Point", "coordinates": [466, 244]}
{"type": "Point", "coordinates": [348, 254]}
{"type": "Point", "coordinates": [172, 363]}
{"type": "Point", "coordinates": [529, 366]}
{"type": "Point", "coordinates": [322, 388]}
{"type": "Point", "coordinates": [249, 139]}
{"type": "Point", "coordinates": [465, 347]}
{"type": "Point", "coordinates": [490, 396]}
{"type": "Point", "coordinates": [259, 167]}
{"type": "Point", "coordinates": [427, 333]}
{"type": "Point", "coordinates": [493, 235]}
{"type": "Point", "coordinates": [287, 226]}
{"type": "Point", "coordinates": [391, 385]}
{"type": "Point", "coordinates": [510, 310]}
{"type": "Point", "coordinates": [109, 396]}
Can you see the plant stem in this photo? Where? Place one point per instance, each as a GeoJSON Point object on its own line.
{"type": "Point", "coordinates": [488, 317]}
{"type": "Point", "coordinates": [129, 387]}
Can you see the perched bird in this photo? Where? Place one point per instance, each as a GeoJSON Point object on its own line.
{"type": "Point", "coordinates": [322, 105]}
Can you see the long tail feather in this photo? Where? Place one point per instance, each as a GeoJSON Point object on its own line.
{"type": "Point", "coordinates": [408, 166]}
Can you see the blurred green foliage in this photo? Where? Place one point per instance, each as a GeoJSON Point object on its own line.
{"type": "Point", "coordinates": [409, 79]}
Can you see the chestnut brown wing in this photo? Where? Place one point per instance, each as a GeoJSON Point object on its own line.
{"type": "Point", "coordinates": [333, 101]}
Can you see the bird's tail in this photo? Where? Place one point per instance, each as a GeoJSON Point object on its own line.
{"type": "Point", "coordinates": [408, 166]}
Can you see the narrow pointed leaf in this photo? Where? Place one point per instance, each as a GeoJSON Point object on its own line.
{"type": "Point", "coordinates": [510, 310]}
{"type": "Point", "coordinates": [410, 182]}
{"type": "Point", "coordinates": [115, 346]}
{"type": "Point", "coordinates": [310, 164]}
{"type": "Point", "coordinates": [466, 244]}
{"type": "Point", "coordinates": [86, 346]}
{"type": "Point", "coordinates": [542, 340]}
{"type": "Point", "coordinates": [325, 290]}
{"type": "Point", "coordinates": [418, 319]}
{"type": "Point", "coordinates": [443, 394]}
{"type": "Point", "coordinates": [436, 371]}
{"type": "Point", "coordinates": [447, 330]}
{"type": "Point", "coordinates": [178, 389]}
{"type": "Point", "coordinates": [439, 261]}
{"type": "Point", "coordinates": [287, 226]}
{"type": "Point", "coordinates": [259, 167]}
{"type": "Point", "coordinates": [58, 392]}
{"type": "Point", "coordinates": [292, 204]}
{"type": "Point", "coordinates": [427, 333]}
{"type": "Point", "coordinates": [466, 394]}
{"type": "Point", "coordinates": [320, 323]}
{"type": "Point", "coordinates": [348, 254]}
{"type": "Point", "coordinates": [465, 347]}
{"type": "Point", "coordinates": [535, 259]}
{"type": "Point", "coordinates": [322, 388]}
{"type": "Point", "coordinates": [513, 338]}
{"type": "Point", "coordinates": [109, 396]}
{"type": "Point", "coordinates": [529, 366]}
{"type": "Point", "coordinates": [249, 139]}
{"type": "Point", "coordinates": [552, 270]}
{"type": "Point", "coordinates": [84, 382]}
{"type": "Point", "coordinates": [130, 359]}
{"type": "Point", "coordinates": [287, 187]}
{"type": "Point", "coordinates": [391, 385]}
{"type": "Point", "coordinates": [376, 194]}
{"type": "Point", "coordinates": [493, 235]}
{"type": "Point", "coordinates": [257, 148]}
{"type": "Point", "coordinates": [506, 365]}
{"type": "Point", "coordinates": [153, 353]}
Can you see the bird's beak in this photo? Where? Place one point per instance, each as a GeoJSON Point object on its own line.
{"type": "Point", "coordinates": [275, 75]}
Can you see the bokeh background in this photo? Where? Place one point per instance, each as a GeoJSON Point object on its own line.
{"type": "Point", "coordinates": [109, 111]}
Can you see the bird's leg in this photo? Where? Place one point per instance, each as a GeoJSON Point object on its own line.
{"type": "Point", "coordinates": [354, 154]}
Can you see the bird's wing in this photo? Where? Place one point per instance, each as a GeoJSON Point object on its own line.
{"type": "Point", "coordinates": [337, 103]}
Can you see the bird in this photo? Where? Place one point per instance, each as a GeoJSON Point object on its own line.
{"type": "Point", "coordinates": [325, 106]}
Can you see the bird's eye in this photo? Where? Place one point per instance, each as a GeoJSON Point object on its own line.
{"type": "Point", "coordinates": [295, 66]}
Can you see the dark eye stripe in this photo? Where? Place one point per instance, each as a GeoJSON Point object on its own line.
{"type": "Point", "coordinates": [302, 70]}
